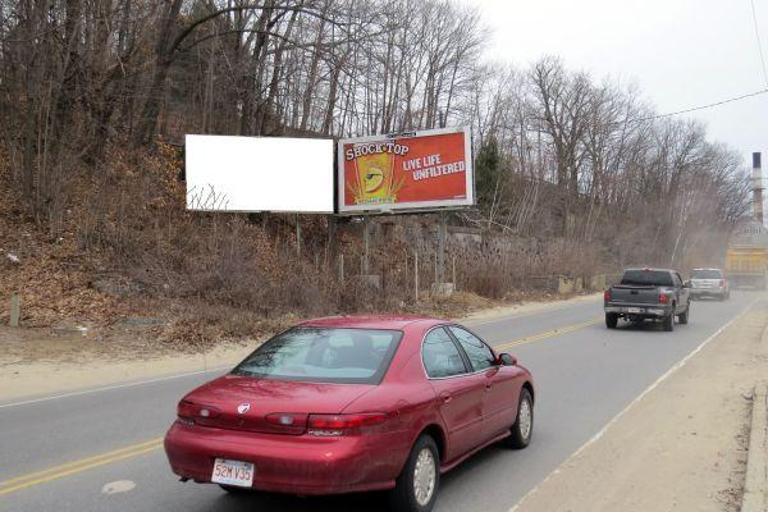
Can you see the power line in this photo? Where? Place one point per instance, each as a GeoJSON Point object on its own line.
{"type": "Point", "coordinates": [705, 107]}
{"type": "Point", "coordinates": [759, 44]}
{"type": "Point", "coordinates": [735, 98]}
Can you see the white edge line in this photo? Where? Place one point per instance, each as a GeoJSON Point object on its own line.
{"type": "Point", "coordinates": [642, 395]}
{"type": "Point", "coordinates": [114, 386]}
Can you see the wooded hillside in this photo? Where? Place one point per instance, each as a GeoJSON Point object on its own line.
{"type": "Point", "coordinates": [96, 95]}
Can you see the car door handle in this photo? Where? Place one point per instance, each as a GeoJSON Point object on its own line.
{"type": "Point", "coordinates": [446, 397]}
{"type": "Point", "coordinates": [488, 386]}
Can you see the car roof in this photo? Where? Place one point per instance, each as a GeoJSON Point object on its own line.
{"type": "Point", "coordinates": [650, 269]}
{"type": "Point", "coordinates": [396, 322]}
{"type": "Point", "coordinates": [707, 268]}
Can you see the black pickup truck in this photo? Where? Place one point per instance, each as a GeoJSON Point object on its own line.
{"type": "Point", "coordinates": [648, 294]}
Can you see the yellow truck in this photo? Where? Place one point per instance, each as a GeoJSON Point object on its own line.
{"type": "Point", "coordinates": [746, 261]}
{"type": "Point", "coordinates": [747, 266]}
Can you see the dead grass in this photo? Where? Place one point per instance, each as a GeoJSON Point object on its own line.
{"type": "Point", "coordinates": [125, 246]}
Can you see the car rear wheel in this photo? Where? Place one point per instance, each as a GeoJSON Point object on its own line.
{"type": "Point", "coordinates": [522, 430]}
{"type": "Point", "coordinates": [669, 322]}
{"type": "Point", "coordinates": [611, 320]}
{"type": "Point", "coordinates": [416, 487]}
{"type": "Point", "coordinates": [683, 318]}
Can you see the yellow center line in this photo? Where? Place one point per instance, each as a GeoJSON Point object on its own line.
{"type": "Point", "coordinates": [70, 468]}
{"type": "Point", "coordinates": [546, 335]}
{"type": "Point", "coordinates": [77, 466]}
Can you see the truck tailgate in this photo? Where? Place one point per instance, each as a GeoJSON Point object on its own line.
{"type": "Point", "coordinates": [634, 294]}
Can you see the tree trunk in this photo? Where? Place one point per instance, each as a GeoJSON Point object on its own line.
{"type": "Point", "coordinates": [145, 133]}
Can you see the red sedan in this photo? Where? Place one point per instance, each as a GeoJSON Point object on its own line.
{"type": "Point", "coordinates": [348, 404]}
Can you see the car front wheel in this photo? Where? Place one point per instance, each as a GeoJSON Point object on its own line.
{"type": "Point", "coordinates": [416, 487]}
{"type": "Point", "coordinates": [522, 430]}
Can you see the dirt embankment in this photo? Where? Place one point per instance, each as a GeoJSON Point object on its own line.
{"type": "Point", "coordinates": [681, 447]}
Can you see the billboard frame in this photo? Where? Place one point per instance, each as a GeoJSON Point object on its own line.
{"type": "Point", "coordinates": [220, 204]}
{"type": "Point", "coordinates": [468, 202]}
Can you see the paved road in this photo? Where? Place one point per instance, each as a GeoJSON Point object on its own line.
{"type": "Point", "coordinates": [585, 375]}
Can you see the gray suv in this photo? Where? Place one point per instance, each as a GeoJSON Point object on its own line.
{"type": "Point", "coordinates": [709, 282]}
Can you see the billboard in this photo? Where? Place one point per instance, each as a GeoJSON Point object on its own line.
{"type": "Point", "coordinates": [423, 170]}
{"type": "Point", "coordinates": [256, 174]}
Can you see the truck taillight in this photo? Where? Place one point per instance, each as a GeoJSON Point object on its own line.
{"type": "Point", "coordinates": [663, 298]}
{"type": "Point", "coordinates": [607, 295]}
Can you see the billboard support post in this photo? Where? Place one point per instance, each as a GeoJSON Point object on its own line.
{"type": "Point", "coordinates": [455, 284]}
{"type": "Point", "coordinates": [331, 246]}
{"type": "Point", "coordinates": [366, 245]}
{"type": "Point", "coordinates": [442, 228]}
{"type": "Point", "coordinates": [298, 236]}
{"type": "Point", "coordinates": [416, 273]}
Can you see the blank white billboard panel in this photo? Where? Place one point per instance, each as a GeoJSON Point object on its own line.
{"type": "Point", "coordinates": [255, 174]}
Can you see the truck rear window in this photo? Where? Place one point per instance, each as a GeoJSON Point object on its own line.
{"type": "Point", "coordinates": [647, 278]}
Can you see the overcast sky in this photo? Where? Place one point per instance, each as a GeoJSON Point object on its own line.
{"type": "Point", "coordinates": [681, 53]}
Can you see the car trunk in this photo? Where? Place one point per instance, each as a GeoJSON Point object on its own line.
{"type": "Point", "coordinates": [269, 405]}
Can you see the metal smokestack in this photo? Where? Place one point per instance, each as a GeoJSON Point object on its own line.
{"type": "Point", "coordinates": [757, 188]}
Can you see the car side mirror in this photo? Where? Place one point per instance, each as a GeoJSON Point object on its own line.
{"type": "Point", "coordinates": [687, 284]}
{"type": "Point", "coordinates": [505, 359]}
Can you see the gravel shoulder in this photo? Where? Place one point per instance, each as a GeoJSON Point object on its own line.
{"type": "Point", "coordinates": [36, 363]}
{"type": "Point", "coordinates": [682, 446]}
{"type": "Point", "coordinates": [525, 309]}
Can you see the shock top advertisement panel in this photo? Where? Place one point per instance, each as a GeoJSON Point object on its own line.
{"type": "Point", "coordinates": [424, 170]}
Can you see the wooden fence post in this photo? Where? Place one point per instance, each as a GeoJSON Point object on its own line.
{"type": "Point", "coordinates": [15, 310]}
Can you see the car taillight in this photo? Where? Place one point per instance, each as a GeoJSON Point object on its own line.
{"type": "Point", "coordinates": [607, 295]}
{"type": "Point", "coordinates": [286, 419]}
{"type": "Point", "coordinates": [663, 298]}
{"type": "Point", "coordinates": [287, 422]}
{"type": "Point", "coordinates": [190, 411]}
{"type": "Point", "coordinates": [340, 424]}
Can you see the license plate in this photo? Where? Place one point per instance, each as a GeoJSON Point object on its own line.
{"type": "Point", "coordinates": [635, 310]}
{"type": "Point", "coordinates": [232, 472]}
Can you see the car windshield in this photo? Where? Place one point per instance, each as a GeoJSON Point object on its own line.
{"type": "Point", "coordinates": [706, 273]}
{"type": "Point", "coordinates": [324, 355]}
{"type": "Point", "coordinates": [647, 278]}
